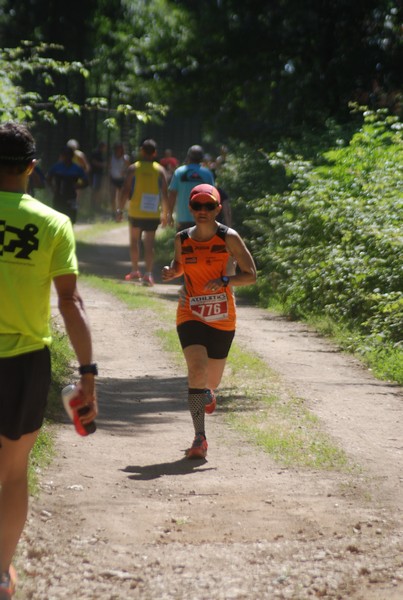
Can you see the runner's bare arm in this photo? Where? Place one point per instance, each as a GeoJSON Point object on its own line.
{"type": "Point", "coordinates": [71, 307]}
{"type": "Point", "coordinates": [172, 201]}
{"type": "Point", "coordinates": [175, 269]}
{"type": "Point", "coordinates": [127, 187]}
{"type": "Point", "coordinates": [246, 269]}
{"type": "Point", "coordinates": [165, 215]}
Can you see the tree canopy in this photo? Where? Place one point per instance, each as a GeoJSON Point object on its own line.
{"type": "Point", "coordinates": [249, 70]}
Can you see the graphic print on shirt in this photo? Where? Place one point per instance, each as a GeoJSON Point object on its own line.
{"type": "Point", "coordinates": [24, 240]}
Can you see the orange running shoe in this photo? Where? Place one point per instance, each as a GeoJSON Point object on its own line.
{"type": "Point", "coordinates": [7, 584]}
{"type": "Point", "coordinates": [210, 407]}
{"type": "Point", "coordinates": [133, 276]}
{"type": "Point", "coordinates": [199, 447]}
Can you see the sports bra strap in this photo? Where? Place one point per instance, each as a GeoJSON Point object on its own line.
{"type": "Point", "coordinates": [221, 232]}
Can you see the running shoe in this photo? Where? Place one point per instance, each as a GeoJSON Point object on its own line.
{"type": "Point", "coordinates": [199, 447]}
{"type": "Point", "coordinates": [133, 276]}
{"type": "Point", "coordinates": [7, 584]}
{"type": "Point", "coordinates": [210, 407]}
{"type": "Point", "coordinates": [148, 280]}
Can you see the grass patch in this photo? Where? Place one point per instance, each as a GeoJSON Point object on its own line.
{"type": "Point", "coordinates": [86, 232]}
{"type": "Point", "coordinates": [134, 296]}
{"type": "Point", "coordinates": [41, 456]}
{"type": "Point", "coordinates": [385, 360]}
{"type": "Point", "coordinates": [257, 405]}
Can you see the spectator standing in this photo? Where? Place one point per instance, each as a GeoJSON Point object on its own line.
{"type": "Point", "coordinates": [146, 189]}
{"type": "Point", "coordinates": [225, 216]}
{"type": "Point", "coordinates": [170, 163]}
{"type": "Point", "coordinates": [221, 159]}
{"type": "Point", "coordinates": [65, 178]}
{"type": "Point", "coordinates": [184, 179]}
{"type": "Point", "coordinates": [37, 247]}
{"type": "Point", "coordinates": [118, 165]}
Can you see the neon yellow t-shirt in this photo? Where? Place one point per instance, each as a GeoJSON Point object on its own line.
{"type": "Point", "coordinates": [145, 202]}
{"type": "Point", "coordinates": [36, 244]}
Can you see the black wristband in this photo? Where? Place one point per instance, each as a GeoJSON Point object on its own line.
{"type": "Point", "coordinates": [225, 280]}
{"type": "Point", "coordinates": [92, 368]}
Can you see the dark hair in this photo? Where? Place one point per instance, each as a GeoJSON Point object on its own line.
{"type": "Point", "coordinates": [149, 147]}
{"type": "Point", "coordinates": [67, 151]}
{"type": "Point", "coordinates": [195, 154]}
{"type": "Point", "coordinates": [17, 145]}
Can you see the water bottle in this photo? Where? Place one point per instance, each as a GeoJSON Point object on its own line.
{"type": "Point", "coordinates": [72, 403]}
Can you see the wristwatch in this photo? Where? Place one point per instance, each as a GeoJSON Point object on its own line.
{"type": "Point", "coordinates": [92, 368]}
{"type": "Point", "coordinates": [225, 280]}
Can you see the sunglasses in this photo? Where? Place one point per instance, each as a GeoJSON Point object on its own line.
{"type": "Point", "coordinates": [210, 206]}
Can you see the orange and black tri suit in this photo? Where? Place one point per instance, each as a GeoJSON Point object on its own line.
{"type": "Point", "coordinates": [202, 261]}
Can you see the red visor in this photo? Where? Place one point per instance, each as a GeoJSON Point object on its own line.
{"type": "Point", "coordinates": [205, 193]}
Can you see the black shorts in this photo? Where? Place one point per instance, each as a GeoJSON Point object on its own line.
{"type": "Point", "coordinates": [216, 341]}
{"type": "Point", "coordinates": [117, 181]}
{"type": "Point", "coordinates": [144, 224]}
{"type": "Point", "coordinates": [68, 208]}
{"type": "Point", "coordinates": [25, 381]}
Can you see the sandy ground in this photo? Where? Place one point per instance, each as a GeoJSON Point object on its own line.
{"type": "Point", "coordinates": [122, 514]}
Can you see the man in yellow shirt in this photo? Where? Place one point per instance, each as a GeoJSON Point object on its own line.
{"type": "Point", "coordinates": [145, 187]}
{"type": "Point", "coordinates": [37, 247]}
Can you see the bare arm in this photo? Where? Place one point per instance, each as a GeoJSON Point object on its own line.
{"type": "Point", "coordinates": [175, 269]}
{"type": "Point", "coordinates": [71, 307]}
{"type": "Point", "coordinates": [164, 198]}
{"type": "Point", "coordinates": [246, 274]}
{"type": "Point", "coordinates": [127, 187]}
{"type": "Point", "coordinates": [246, 265]}
{"type": "Point", "coordinates": [172, 194]}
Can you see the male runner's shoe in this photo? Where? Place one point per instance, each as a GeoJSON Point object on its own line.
{"type": "Point", "coordinates": [212, 402]}
{"type": "Point", "coordinates": [148, 280]}
{"type": "Point", "coordinates": [199, 447]}
{"type": "Point", "coordinates": [133, 276]}
{"type": "Point", "coordinates": [7, 584]}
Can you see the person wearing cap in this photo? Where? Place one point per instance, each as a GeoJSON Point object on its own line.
{"type": "Point", "coordinates": [36, 246]}
{"type": "Point", "coordinates": [184, 179]}
{"type": "Point", "coordinates": [79, 157]}
{"type": "Point", "coordinates": [213, 259]}
{"type": "Point", "coordinates": [145, 187]}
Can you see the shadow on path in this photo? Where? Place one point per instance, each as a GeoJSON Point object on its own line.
{"type": "Point", "coordinates": [183, 466]}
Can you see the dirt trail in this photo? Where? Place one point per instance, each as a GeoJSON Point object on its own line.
{"type": "Point", "coordinates": [122, 515]}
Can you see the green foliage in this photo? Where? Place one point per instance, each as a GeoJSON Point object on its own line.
{"type": "Point", "coordinates": [250, 70]}
{"type": "Point", "coordinates": [26, 61]}
{"type": "Point", "coordinates": [33, 66]}
{"type": "Point", "coordinates": [332, 242]}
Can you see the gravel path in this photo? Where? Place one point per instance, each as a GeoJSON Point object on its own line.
{"type": "Point", "coordinates": [122, 515]}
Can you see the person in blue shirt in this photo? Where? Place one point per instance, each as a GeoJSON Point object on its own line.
{"type": "Point", "coordinates": [65, 178]}
{"type": "Point", "coordinates": [184, 179]}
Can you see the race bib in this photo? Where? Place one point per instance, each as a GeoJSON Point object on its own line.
{"type": "Point", "coordinates": [210, 308]}
{"type": "Point", "coordinates": [149, 202]}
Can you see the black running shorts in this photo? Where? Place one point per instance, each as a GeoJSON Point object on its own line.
{"type": "Point", "coordinates": [25, 381]}
{"type": "Point", "coordinates": [216, 341]}
{"type": "Point", "coordinates": [144, 224]}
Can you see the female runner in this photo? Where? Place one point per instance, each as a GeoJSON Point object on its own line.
{"type": "Point", "coordinates": [213, 258]}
